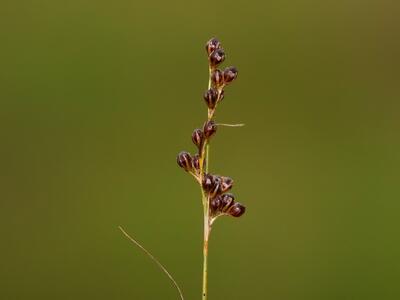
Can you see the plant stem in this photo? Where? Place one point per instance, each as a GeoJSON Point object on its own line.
{"type": "Point", "coordinates": [207, 156]}
{"type": "Point", "coordinates": [206, 207]}
{"type": "Point", "coordinates": [207, 229]}
{"type": "Point", "coordinates": [205, 250]}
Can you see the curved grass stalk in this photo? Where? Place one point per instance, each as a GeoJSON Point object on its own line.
{"type": "Point", "coordinates": [155, 260]}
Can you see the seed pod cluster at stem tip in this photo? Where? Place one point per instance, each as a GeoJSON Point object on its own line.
{"type": "Point", "coordinates": [215, 188]}
{"type": "Point", "coordinates": [218, 78]}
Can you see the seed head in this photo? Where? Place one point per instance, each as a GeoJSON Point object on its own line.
{"type": "Point", "coordinates": [230, 74]}
{"type": "Point", "coordinates": [211, 98]}
{"type": "Point", "coordinates": [237, 210]}
{"type": "Point", "coordinates": [214, 187]}
{"type": "Point", "coordinates": [217, 57]}
{"type": "Point", "coordinates": [209, 129]}
{"type": "Point", "coordinates": [184, 160]}
{"type": "Point", "coordinates": [211, 45]}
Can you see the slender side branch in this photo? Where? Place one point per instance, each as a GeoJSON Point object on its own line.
{"type": "Point", "coordinates": [230, 125]}
{"type": "Point", "coordinates": [153, 259]}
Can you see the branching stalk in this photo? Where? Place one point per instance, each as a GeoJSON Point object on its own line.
{"type": "Point", "coordinates": [214, 188]}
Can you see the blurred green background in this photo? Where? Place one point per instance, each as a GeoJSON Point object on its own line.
{"type": "Point", "coordinates": [98, 97]}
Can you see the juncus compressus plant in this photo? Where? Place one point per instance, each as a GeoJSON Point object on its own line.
{"type": "Point", "coordinates": [216, 199]}
{"type": "Point", "coordinates": [214, 188]}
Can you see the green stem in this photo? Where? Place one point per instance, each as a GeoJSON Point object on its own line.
{"type": "Point", "coordinates": [206, 207]}
{"type": "Point", "coordinates": [207, 228]}
{"type": "Point", "coordinates": [207, 157]}
{"type": "Point", "coordinates": [205, 250]}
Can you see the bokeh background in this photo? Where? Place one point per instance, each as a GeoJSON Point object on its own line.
{"type": "Point", "coordinates": [98, 97]}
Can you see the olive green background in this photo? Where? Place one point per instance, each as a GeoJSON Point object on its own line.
{"type": "Point", "coordinates": [98, 97]}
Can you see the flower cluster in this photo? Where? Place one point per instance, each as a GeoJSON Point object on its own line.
{"type": "Point", "coordinates": [218, 78]}
{"type": "Point", "coordinates": [220, 201]}
{"type": "Point", "coordinates": [214, 187]}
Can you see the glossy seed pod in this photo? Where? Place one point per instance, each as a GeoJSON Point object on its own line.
{"type": "Point", "coordinates": [212, 45]}
{"type": "Point", "coordinates": [230, 74]}
{"type": "Point", "coordinates": [227, 201]}
{"type": "Point", "coordinates": [215, 203]}
{"type": "Point", "coordinates": [197, 137]}
{"type": "Point", "coordinates": [196, 162]}
{"type": "Point", "coordinates": [217, 57]}
{"type": "Point", "coordinates": [217, 78]}
{"type": "Point", "coordinates": [209, 128]}
{"type": "Point", "coordinates": [184, 160]}
{"type": "Point", "coordinates": [216, 186]}
{"type": "Point", "coordinates": [236, 210]}
{"type": "Point", "coordinates": [208, 183]}
{"type": "Point", "coordinates": [211, 98]}
{"type": "Point", "coordinates": [226, 184]}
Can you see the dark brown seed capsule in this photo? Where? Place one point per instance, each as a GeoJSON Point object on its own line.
{"type": "Point", "coordinates": [184, 160]}
{"type": "Point", "coordinates": [216, 186]}
{"type": "Point", "coordinates": [227, 201]}
{"type": "Point", "coordinates": [212, 45]}
{"type": "Point", "coordinates": [237, 210]}
{"type": "Point", "coordinates": [217, 57]}
{"type": "Point", "coordinates": [226, 184]}
{"type": "Point", "coordinates": [217, 78]}
{"type": "Point", "coordinates": [230, 74]}
{"type": "Point", "coordinates": [209, 128]}
{"type": "Point", "coordinates": [208, 183]}
{"type": "Point", "coordinates": [215, 203]}
{"type": "Point", "coordinates": [211, 98]}
{"type": "Point", "coordinates": [197, 137]}
{"type": "Point", "coordinates": [196, 162]}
